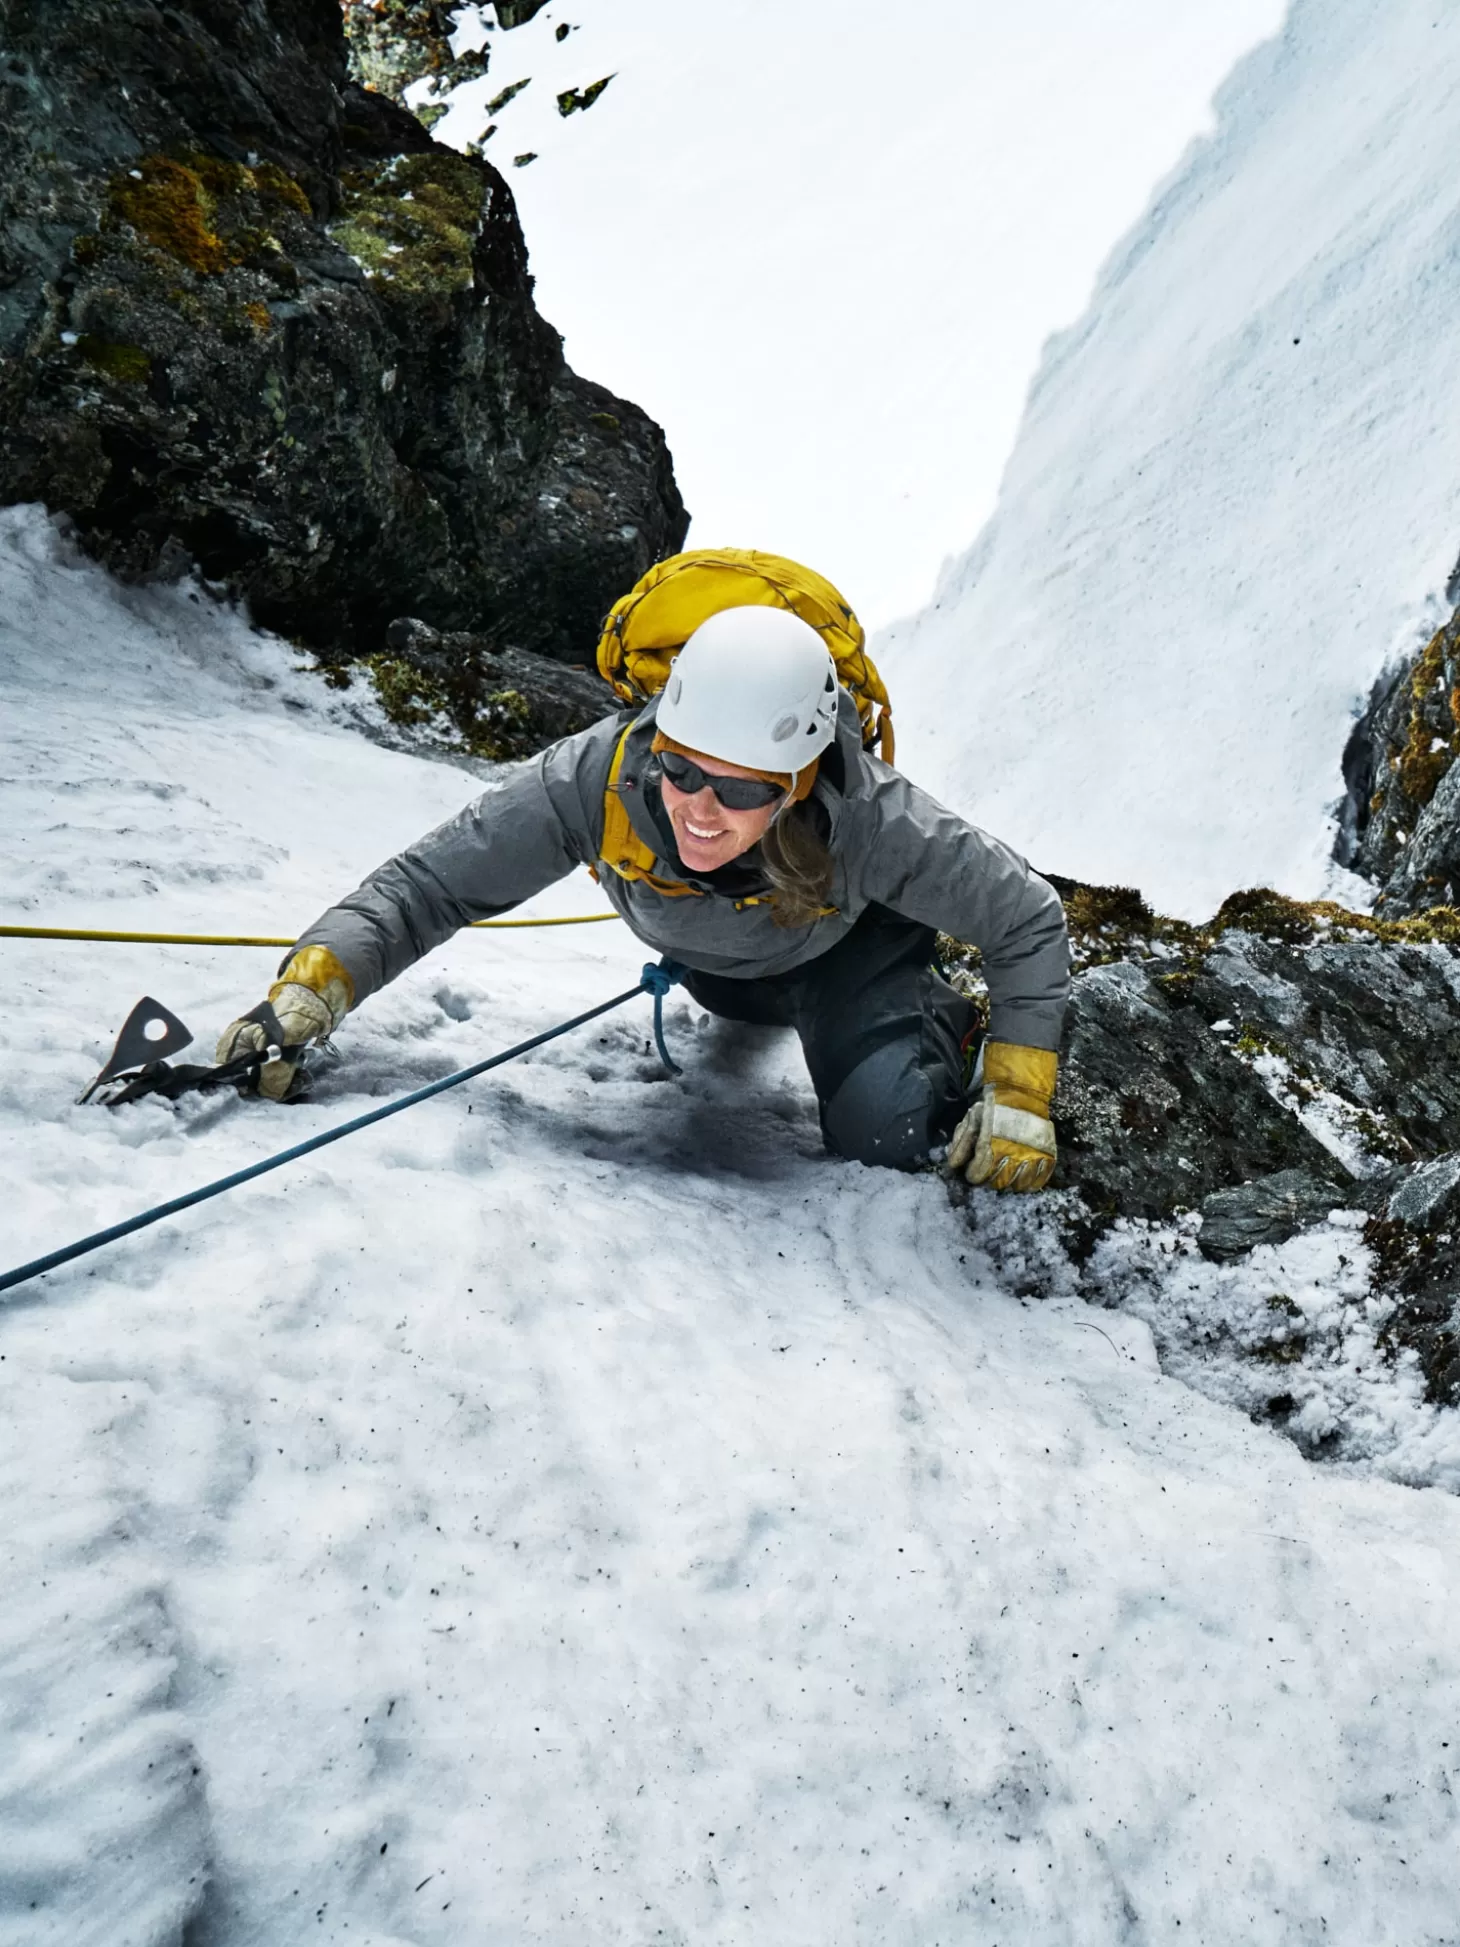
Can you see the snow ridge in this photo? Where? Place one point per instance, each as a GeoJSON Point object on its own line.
{"type": "Point", "coordinates": [1234, 494]}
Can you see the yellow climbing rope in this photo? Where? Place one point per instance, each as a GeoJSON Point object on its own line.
{"type": "Point", "coordinates": [246, 939]}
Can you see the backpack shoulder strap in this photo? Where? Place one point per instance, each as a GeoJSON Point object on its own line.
{"type": "Point", "coordinates": [621, 849]}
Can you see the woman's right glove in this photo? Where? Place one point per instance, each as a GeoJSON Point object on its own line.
{"type": "Point", "coordinates": [1007, 1139]}
{"type": "Point", "coordinates": [309, 1000]}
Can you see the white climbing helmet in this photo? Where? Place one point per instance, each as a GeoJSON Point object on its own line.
{"type": "Point", "coordinates": [752, 686]}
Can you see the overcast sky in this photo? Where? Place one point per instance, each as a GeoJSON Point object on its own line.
{"type": "Point", "coordinates": [823, 241]}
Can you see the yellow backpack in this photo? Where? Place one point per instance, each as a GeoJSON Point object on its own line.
{"type": "Point", "coordinates": [647, 628]}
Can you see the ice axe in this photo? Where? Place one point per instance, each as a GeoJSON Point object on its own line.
{"type": "Point", "coordinates": [655, 980]}
{"type": "Point", "coordinates": [138, 1064]}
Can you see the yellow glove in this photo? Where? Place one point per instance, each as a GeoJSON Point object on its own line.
{"type": "Point", "coordinates": [1007, 1139]}
{"type": "Point", "coordinates": [310, 999]}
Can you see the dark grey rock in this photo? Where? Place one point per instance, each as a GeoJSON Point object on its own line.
{"type": "Point", "coordinates": [1375, 1024]}
{"type": "Point", "coordinates": [1266, 1074]}
{"type": "Point", "coordinates": [1427, 870]}
{"type": "Point", "coordinates": [251, 315]}
{"type": "Point", "coordinates": [1177, 1085]}
{"type": "Point", "coordinates": [1154, 1109]}
{"type": "Point", "coordinates": [1428, 1198]}
{"type": "Point", "coordinates": [501, 704]}
{"type": "Point", "coordinates": [1416, 1246]}
{"type": "Point", "coordinates": [1401, 821]}
{"type": "Point", "coordinates": [1268, 1211]}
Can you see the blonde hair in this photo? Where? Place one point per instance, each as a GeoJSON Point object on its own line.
{"type": "Point", "coordinates": [798, 865]}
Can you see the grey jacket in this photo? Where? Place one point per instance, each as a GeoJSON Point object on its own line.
{"type": "Point", "coordinates": [892, 845]}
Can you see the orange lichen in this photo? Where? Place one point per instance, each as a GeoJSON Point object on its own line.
{"type": "Point", "coordinates": [174, 204]}
{"type": "Point", "coordinates": [1426, 755]}
{"type": "Point", "coordinates": [169, 205]}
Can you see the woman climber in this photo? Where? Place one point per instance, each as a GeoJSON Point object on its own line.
{"type": "Point", "coordinates": [741, 826]}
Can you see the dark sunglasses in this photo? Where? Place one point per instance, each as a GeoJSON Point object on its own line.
{"type": "Point", "coordinates": [735, 793]}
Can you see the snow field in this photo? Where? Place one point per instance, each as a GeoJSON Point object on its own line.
{"type": "Point", "coordinates": [1233, 496]}
{"type": "Point", "coordinates": [578, 1508]}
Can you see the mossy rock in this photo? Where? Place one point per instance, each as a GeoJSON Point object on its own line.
{"type": "Point", "coordinates": [204, 212]}
{"type": "Point", "coordinates": [338, 429]}
{"type": "Point", "coordinates": [128, 364]}
{"type": "Point", "coordinates": [412, 224]}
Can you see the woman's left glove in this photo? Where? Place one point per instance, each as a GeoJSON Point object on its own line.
{"type": "Point", "coordinates": [1007, 1139]}
{"type": "Point", "coordinates": [309, 999]}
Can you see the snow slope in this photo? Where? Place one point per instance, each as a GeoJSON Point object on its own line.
{"type": "Point", "coordinates": [579, 1510]}
{"type": "Point", "coordinates": [1236, 491]}
{"type": "Point", "coordinates": [823, 242]}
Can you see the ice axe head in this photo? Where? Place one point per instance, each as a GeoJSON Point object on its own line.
{"type": "Point", "coordinates": [150, 1033]}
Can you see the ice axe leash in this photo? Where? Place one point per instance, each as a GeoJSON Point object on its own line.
{"type": "Point", "coordinates": [656, 979]}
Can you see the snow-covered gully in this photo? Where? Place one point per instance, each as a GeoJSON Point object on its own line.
{"type": "Point", "coordinates": [579, 1510]}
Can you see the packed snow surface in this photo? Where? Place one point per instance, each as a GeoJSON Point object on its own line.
{"type": "Point", "coordinates": [578, 1509]}
{"type": "Point", "coordinates": [1235, 494]}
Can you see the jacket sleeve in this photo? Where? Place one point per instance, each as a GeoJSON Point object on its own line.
{"type": "Point", "coordinates": [930, 865]}
{"type": "Point", "coordinates": [542, 820]}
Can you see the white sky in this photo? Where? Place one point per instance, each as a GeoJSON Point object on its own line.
{"type": "Point", "coordinates": [823, 241]}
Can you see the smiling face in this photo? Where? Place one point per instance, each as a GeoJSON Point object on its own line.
{"type": "Point", "coordinates": [707, 833]}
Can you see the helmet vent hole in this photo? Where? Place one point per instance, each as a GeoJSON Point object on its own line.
{"type": "Point", "coordinates": [783, 728]}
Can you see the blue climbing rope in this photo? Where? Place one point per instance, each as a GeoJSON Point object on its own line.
{"type": "Point", "coordinates": [655, 980]}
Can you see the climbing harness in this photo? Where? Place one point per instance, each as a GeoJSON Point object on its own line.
{"type": "Point", "coordinates": [656, 979]}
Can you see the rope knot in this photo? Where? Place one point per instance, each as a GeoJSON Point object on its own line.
{"type": "Point", "coordinates": [659, 976]}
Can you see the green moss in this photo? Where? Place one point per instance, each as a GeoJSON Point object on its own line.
{"type": "Point", "coordinates": [1379, 1139]}
{"type": "Point", "coordinates": [1113, 923]}
{"type": "Point", "coordinates": [1426, 755]}
{"type": "Point", "coordinates": [220, 178]}
{"type": "Point", "coordinates": [276, 185]}
{"type": "Point", "coordinates": [202, 211]}
{"type": "Point", "coordinates": [406, 695]}
{"type": "Point", "coordinates": [1298, 1078]}
{"type": "Point", "coordinates": [413, 222]}
{"type": "Point", "coordinates": [497, 727]}
{"type": "Point", "coordinates": [573, 101]}
{"type": "Point", "coordinates": [127, 363]}
{"type": "Point", "coordinates": [607, 422]}
{"type": "Point", "coordinates": [500, 100]}
{"type": "Point", "coordinates": [1303, 922]}
{"type": "Point", "coordinates": [501, 729]}
{"type": "Point", "coordinates": [1285, 1351]}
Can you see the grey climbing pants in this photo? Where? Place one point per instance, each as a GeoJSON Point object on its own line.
{"type": "Point", "coordinates": [882, 1032]}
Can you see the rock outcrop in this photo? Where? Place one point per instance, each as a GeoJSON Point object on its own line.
{"type": "Point", "coordinates": [393, 43]}
{"type": "Point", "coordinates": [470, 699]}
{"type": "Point", "coordinates": [1402, 821]}
{"type": "Point", "coordinates": [251, 316]}
{"type": "Point", "coordinates": [1254, 1074]}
